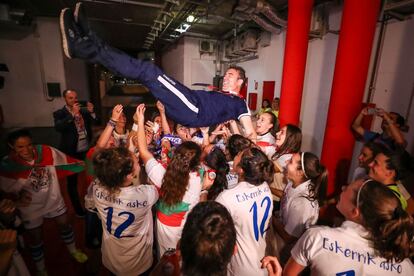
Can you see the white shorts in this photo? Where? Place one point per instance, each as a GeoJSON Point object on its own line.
{"type": "Point", "coordinates": [37, 222]}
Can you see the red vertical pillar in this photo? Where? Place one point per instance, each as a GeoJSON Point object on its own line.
{"type": "Point", "coordinates": [294, 63]}
{"type": "Point", "coordinates": [352, 61]}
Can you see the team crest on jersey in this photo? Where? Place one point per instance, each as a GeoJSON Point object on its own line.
{"type": "Point", "coordinates": [40, 178]}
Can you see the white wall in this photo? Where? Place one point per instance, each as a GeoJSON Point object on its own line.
{"type": "Point", "coordinates": [395, 82]}
{"type": "Point", "coordinates": [173, 61]}
{"type": "Point", "coordinates": [198, 68]}
{"type": "Point", "coordinates": [268, 67]}
{"type": "Point", "coordinates": [185, 63]}
{"type": "Point", "coordinates": [34, 61]}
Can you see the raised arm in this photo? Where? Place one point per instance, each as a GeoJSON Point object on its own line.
{"type": "Point", "coordinates": [164, 123]}
{"type": "Point", "coordinates": [206, 139]}
{"type": "Point", "coordinates": [393, 129]}
{"type": "Point", "coordinates": [234, 127]}
{"type": "Point", "coordinates": [144, 153]}
{"type": "Point", "coordinates": [249, 131]}
{"type": "Point", "coordinates": [107, 132]}
{"type": "Point", "coordinates": [356, 125]}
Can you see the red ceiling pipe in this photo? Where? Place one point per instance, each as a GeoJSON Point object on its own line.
{"type": "Point", "coordinates": [294, 63]}
{"type": "Point", "coordinates": [352, 61]}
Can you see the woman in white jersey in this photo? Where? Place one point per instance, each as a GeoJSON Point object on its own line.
{"type": "Point", "coordinates": [299, 206]}
{"type": "Point", "coordinates": [125, 212]}
{"type": "Point", "coordinates": [181, 186]}
{"type": "Point", "coordinates": [288, 142]}
{"type": "Point", "coordinates": [375, 239]}
{"type": "Point", "coordinates": [29, 176]}
{"type": "Point", "coordinates": [236, 144]}
{"type": "Point", "coordinates": [250, 205]}
{"type": "Point", "coordinates": [267, 126]}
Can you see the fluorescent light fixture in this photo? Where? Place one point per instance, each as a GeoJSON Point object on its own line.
{"type": "Point", "coordinates": [183, 28]}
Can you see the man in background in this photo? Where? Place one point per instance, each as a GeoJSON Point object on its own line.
{"type": "Point", "coordinates": [74, 122]}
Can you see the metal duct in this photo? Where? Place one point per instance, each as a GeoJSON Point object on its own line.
{"type": "Point", "coordinates": [241, 16]}
{"type": "Point", "coordinates": [262, 22]}
{"type": "Point", "coordinates": [267, 10]}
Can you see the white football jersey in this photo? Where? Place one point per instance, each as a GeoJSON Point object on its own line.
{"type": "Point", "coordinates": [344, 251]}
{"type": "Point", "coordinates": [127, 227]}
{"type": "Point", "coordinates": [251, 208]}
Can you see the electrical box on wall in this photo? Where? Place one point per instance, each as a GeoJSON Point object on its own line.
{"type": "Point", "coordinates": [207, 46]}
{"type": "Point", "coordinates": [53, 89]}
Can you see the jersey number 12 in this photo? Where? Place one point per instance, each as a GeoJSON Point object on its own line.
{"type": "Point", "coordinates": [256, 226]}
{"type": "Point", "coordinates": [118, 231]}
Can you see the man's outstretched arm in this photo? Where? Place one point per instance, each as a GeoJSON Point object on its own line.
{"type": "Point", "coordinates": [249, 131]}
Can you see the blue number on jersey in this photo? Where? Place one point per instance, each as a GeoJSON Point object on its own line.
{"type": "Point", "coordinates": [118, 231]}
{"type": "Point", "coordinates": [346, 273]}
{"type": "Point", "coordinates": [264, 219]}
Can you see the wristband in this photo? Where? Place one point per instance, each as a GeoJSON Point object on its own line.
{"type": "Point", "coordinates": [135, 127]}
{"type": "Point", "coordinates": [112, 123]}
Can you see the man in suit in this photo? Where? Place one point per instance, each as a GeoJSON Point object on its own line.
{"type": "Point", "coordinates": [74, 123]}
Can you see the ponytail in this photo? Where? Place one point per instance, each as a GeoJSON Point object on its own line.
{"type": "Point", "coordinates": [391, 228]}
{"type": "Point", "coordinates": [216, 160]}
{"type": "Point", "coordinates": [256, 166]}
{"type": "Point", "coordinates": [317, 173]}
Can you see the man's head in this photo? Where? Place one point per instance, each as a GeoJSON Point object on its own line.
{"type": "Point", "coordinates": [234, 79]}
{"type": "Point", "coordinates": [208, 240]}
{"type": "Point", "coordinates": [70, 96]}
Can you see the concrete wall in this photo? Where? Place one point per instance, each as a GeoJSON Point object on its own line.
{"type": "Point", "coordinates": [34, 61]}
{"type": "Point", "coordinates": [395, 82]}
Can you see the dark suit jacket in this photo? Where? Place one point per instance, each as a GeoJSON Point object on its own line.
{"type": "Point", "coordinates": [65, 124]}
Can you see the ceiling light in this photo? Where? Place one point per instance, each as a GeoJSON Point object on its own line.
{"type": "Point", "coordinates": [190, 18]}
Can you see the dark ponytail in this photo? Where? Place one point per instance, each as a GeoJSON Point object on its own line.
{"type": "Point", "coordinates": [216, 160]}
{"type": "Point", "coordinates": [256, 166]}
{"type": "Point", "coordinates": [391, 228]}
{"type": "Point", "coordinates": [318, 175]}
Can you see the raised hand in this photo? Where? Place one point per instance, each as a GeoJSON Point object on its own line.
{"type": "Point", "coordinates": [160, 107]}
{"type": "Point", "coordinates": [272, 265]}
{"type": "Point", "coordinates": [117, 112]}
{"type": "Point", "coordinates": [76, 108]}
